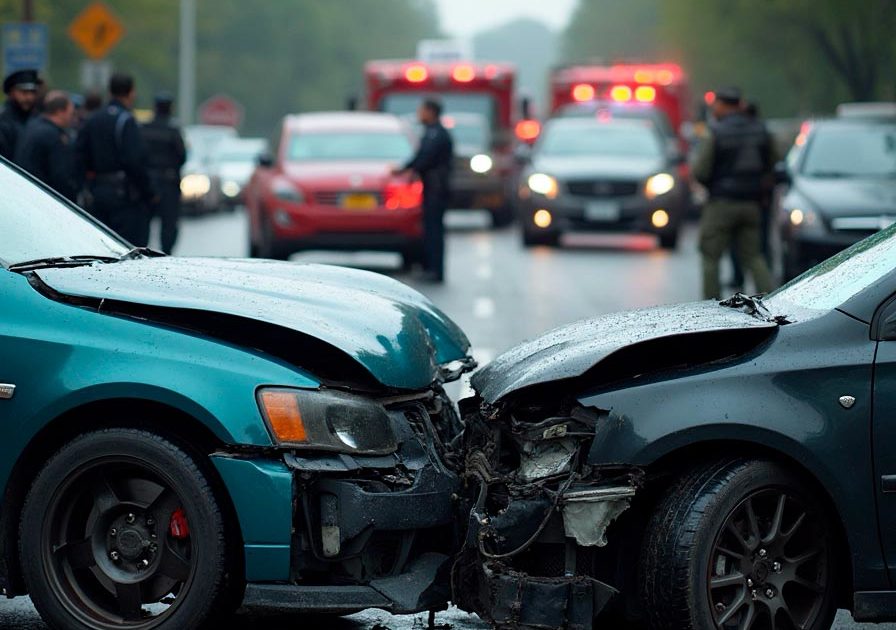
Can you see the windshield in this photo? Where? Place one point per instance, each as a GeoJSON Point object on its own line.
{"type": "Point", "coordinates": [37, 225]}
{"type": "Point", "coordinates": [852, 151]}
{"type": "Point", "coordinates": [340, 145]}
{"type": "Point", "coordinates": [405, 103]}
{"type": "Point", "coordinates": [600, 139]}
{"type": "Point", "coordinates": [836, 280]}
{"type": "Point", "coordinates": [468, 133]}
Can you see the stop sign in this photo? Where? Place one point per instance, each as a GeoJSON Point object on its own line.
{"type": "Point", "coordinates": [221, 110]}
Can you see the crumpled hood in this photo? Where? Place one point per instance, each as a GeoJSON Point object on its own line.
{"type": "Point", "coordinates": [393, 331]}
{"type": "Point", "coordinates": [572, 350]}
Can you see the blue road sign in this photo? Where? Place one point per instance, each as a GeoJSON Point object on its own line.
{"type": "Point", "coordinates": [25, 46]}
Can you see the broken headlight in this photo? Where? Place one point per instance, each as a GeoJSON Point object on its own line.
{"type": "Point", "coordinates": [326, 420]}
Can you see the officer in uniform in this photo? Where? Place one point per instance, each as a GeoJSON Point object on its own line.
{"type": "Point", "coordinates": [166, 156]}
{"type": "Point", "coordinates": [112, 153]}
{"type": "Point", "coordinates": [46, 149]}
{"type": "Point", "coordinates": [432, 163]}
{"type": "Point", "coordinates": [734, 164]}
{"type": "Point", "coordinates": [20, 88]}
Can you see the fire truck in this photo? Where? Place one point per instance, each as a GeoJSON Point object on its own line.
{"type": "Point", "coordinates": [663, 86]}
{"type": "Point", "coordinates": [479, 111]}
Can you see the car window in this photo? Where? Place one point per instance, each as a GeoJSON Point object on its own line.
{"type": "Point", "coordinates": [851, 151]}
{"type": "Point", "coordinates": [485, 105]}
{"type": "Point", "coordinates": [839, 278]}
{"type": "Point", "coordinates": [35, 224]}
{"type": "Point", "coordinates": [600, 139]}
{"type": "Point", "coordinates": [348, 146]}
{"type": "Point", "coordinates": [470, 133]}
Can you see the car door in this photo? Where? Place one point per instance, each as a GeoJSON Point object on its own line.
{"type": "Point", "coordinates": [884, 428]}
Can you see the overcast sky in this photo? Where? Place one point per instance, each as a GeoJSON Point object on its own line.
{"type": "Point", "coordinates": [464, 18]}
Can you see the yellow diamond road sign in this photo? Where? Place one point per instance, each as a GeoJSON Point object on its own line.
{"type": "Point", "coordinates": [96, 30]}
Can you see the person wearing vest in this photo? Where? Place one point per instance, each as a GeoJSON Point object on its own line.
{"type": "Point", "coordinates": [166, 155]}
{"type": "Point", "coordinates": [734, 163]}
{"type": "Point", "coordinates": [110, 150]}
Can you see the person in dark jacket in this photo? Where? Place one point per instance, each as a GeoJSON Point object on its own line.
{"type": "Point", "coordinates": [734, 164]}
{"type": "Point", "coordinates": [432, 163]}
{"type": "Point", "coordinates": [46, 149]}
{"type": "Point", "coordinates": [21, 95]}
{"type": "Point", "coordinates": [166, 155]}
{"type": "Point", "coordinates": [110, 149]}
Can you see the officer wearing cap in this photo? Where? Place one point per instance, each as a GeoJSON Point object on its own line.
{"type": "Point", "coordinates": [432, 163]}
{"type": "Point", "coordinates": [46, 148]}
{"type": "Point", "coordinates": [734, 163]}
{"type": "Point", "coordinates": [111, 150]}
{"type": "Point", "coordinates": [166, 155]}
{"type": "Point", "coordinates": [20, 88]}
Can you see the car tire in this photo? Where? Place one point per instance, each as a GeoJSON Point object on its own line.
{"type": "Point", "coordinates": [707, 564]}
{"type": "Point", "coordinates": [669, 239]}
{"type": "Point", "coordinates": [548, 239]}
{"type": "Point", "coordinates": [119, 519]}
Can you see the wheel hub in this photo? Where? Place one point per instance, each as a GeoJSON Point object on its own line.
{"type": "Point", "coordinates": [760, 573]}
{"type": "Point", "coordinates": [131, 541]}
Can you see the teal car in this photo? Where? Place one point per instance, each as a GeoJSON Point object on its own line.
{"type": "Point", "coordinates": [183, 436]}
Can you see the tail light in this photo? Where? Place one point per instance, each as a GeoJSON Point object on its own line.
{"type": "Point", "coordinates": [404, 195]}
{"type": "Point", "coordinates": [527, 130]}
{"type": "Point", "coordinates": [621, 93]}
{"type": "Point", "coordinates": [582, 92]}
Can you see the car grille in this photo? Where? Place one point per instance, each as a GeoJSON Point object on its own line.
{"type": "Point", "coordinates": [334, 197]}
{"type": "Point", "coordinates": [602, 188]}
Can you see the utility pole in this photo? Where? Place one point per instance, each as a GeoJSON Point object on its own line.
{"type": "Point", "coordinates": [187, 71]}
{"type": "Point", "coordinates": [27, 10]}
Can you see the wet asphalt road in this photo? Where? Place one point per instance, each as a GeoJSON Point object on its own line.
{"type": "Point", "coordinates": [500, 294]}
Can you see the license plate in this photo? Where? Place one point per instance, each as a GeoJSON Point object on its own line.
{"type": "Point", "coordinates": [357, 201]}
{"type": "Point", "coordinates": [602, 210]}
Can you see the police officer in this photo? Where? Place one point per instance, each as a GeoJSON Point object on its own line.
{"type": "Point", "coordinates": [166, 156]}
{"type": "Point", "coordinates": [734, 164]}
{"type": "Point", "coordinates": [111, 150]}
{"type": "Point", "coordinates": [432, 163]}
{"type": "Point", "coordinates": [20, 88]}
{"type": "Point", "coordinates": [46, 149]}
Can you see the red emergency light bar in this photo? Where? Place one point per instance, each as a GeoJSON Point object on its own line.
{"type": "Point", "coordinates": [582, 92]}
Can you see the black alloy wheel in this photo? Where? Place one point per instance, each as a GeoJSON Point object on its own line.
{"type": "Point", "coordinates": [739, 545]}
{"type": "Point", "coordinates": [122, 530]}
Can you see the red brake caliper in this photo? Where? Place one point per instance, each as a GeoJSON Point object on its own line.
{"type": "Point", "coordinates": [178, 527]}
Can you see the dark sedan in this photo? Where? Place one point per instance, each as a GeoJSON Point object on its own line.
{"type": "Point", "coordinates": [700, 466]}
{"type": "Point", "coordinates": [602, 175]}
{"type": "Point", "coordinates": [843, 188]}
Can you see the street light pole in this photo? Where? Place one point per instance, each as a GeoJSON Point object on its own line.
{"type": "Point", "coordinates": [187, 71]}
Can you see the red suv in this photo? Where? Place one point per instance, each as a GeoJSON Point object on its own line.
{"type": "Point", "coordinates": [330, 187]}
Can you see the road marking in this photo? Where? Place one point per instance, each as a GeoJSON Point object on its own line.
{"type": "Point", "coordinates": [484, 308]}
{"type": "Point", "coordinates": [484, 271]}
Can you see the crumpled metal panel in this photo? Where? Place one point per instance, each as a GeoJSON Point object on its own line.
{"type": "Point", "coordinates": [572, 350]}
{"type": "Point", "coordinates": [393, 331]}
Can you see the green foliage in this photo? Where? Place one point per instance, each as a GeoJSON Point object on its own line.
{"type": "Point", "coordinates": [274, 56]}
{"type": "Point", "coordinates": [794, 56]}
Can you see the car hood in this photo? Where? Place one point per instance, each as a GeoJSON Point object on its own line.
{"type": "Point", "coordinates": [843, 197]}
{"type": "Point", "coordinates": [572, 350]}
{"type": "Point", "coordinates": [391, 330]}
{"type": "Point", "coordinates": [360, 174]}
{"type": "Point", "coordinates": [239, 173]}
{"type": "Point", "coordinates": [602, 166]}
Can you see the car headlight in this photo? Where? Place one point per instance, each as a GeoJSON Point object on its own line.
{"type": "Point", "coordinates": [231, 188]}
{"type": "Point", "coordinates": [481, 163]}
{"type": "Point", "coordinates": [659, 184]}
{"type": "Point", "coordinates": [326, 420]}
{"type": "Point", "coordinates": [802, 218]}
{"type": "Point", "coordinates": [195, 185]}
{"type": "Point", "coordinates": [543, 185]}
{"type": "Point", "coordinates": [288, 192]}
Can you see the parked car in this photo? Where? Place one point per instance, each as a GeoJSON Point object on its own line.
{"type": "Point", "coordinates": [842, 187]}
{"type": "Point", "coordinates": [183, 435]}
{"type": "Point", "coordinates": [233, 162]}
{"type": "Point", "coordinates": [708, 465]}
{"type": "Point", "coordinates": [200, 187]}
{"type": "Point", "coordinates": [602, 174]}
{"type": "Point", "coordinates": [330, 187]}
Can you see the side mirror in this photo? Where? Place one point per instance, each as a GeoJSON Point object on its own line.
{"type": "Point", "coordinates": [782, 173]}
{"type": "Point", "coordinates": [265, 160]}
{"type": "Point", "coordinates": [675, 155]}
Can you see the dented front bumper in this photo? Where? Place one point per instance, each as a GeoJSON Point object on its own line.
{"type": "Point", "coordinates": [538, 519]}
